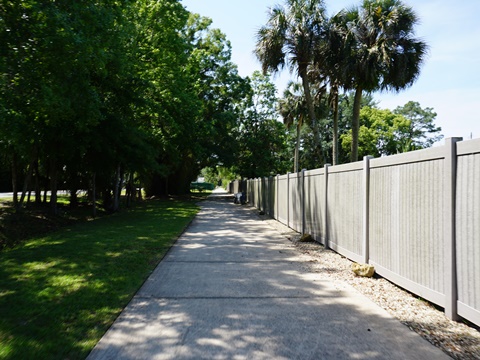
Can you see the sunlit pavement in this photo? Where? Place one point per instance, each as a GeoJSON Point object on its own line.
{"type": "Point", "coordinates": [233, 288]}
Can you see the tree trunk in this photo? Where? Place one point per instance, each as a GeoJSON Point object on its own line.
{"type": "Point", "coordinates": [116, 190]}
{"type": "Point", "coordinates": [38, 192]}
{"type": "Point", "coordinates": [355, 124]}
{"type": "Point", "coordinates": [335, 126]}
{"type": "Point", "coordinates": [130, 190]}
{"type": "Point", "coordinates": [73, 197]}
{"type": "Point", "coordinates": [311, 113]}
{"type": "Point", "coordinates": [26, 182]}
{"type": "Point", "coordinates": [94, 195]}
{"type": "Point", "coordinates": [14, 181]}
{"type": "Point", "coordinates": [53, 187]}
{"type": "Point", "coordinates": [297, 149]}
{"type": "Point", "coordinates": [46, 184]}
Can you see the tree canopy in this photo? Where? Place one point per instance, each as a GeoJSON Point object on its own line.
{"type": "Point", "coordinates": [102, 95]}
{"type": "Point", "coordinates": [98, 94]}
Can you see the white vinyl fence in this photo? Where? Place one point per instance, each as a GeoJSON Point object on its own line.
{"type": "Point", "coordinates": [414, 216]}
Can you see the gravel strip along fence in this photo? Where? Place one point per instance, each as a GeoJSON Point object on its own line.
{"type": "Point", "coordinates": [457, 339]}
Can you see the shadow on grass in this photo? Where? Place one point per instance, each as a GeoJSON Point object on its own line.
{"type": "Point", "coordinates": [61, 292]}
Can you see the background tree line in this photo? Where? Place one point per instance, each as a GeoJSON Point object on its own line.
{"type": "Point", "coordinates": [105, 95]}
{"type": "Point", "coordinates": [101, 95]}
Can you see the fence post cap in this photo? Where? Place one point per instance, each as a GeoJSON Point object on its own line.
{"type": "Point", "coordinates": [453, 139]}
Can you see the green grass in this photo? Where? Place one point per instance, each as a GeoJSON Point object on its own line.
{"type": "Point", "coordinates": [202, 192]}
{"type": "Point", "coordinates": [60, 293]}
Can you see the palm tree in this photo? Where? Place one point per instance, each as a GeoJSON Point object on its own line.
{"type": "Point", "coordinates": [384, 53]}
{"type": "Point", "coordinates": [290, 38]}
{"type": "Point", "coordinates": [293, 109]}
{"type": "Point", "coordinates": [330, 60]}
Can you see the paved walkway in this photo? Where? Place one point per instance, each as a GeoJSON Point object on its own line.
{"type": "Point", "coordinates": [233, 288]}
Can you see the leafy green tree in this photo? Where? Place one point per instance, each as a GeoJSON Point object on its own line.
{"type": "Point", "coordinates": [219, 175]}
{"type": "Point", "coordinates": [261, 138]}
{"type": "Point", "coordinates": [168, 107]}
{"type": "Point", "coordinates": [381, 132]}
{"type": "Point", "coordinates": [218, 90]}
{"type": "Point", "coordinates": [386, 132]}
{"type": "Point", "coordinates": [291, 37]}
{"type": "Point", "coordinates": [345, 111]}
{"type": "Point", "coordinates": [423, 133]}
{"type": "Point", "coordinates": [56, 57]}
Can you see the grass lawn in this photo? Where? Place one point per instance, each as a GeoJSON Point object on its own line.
{"type": "Point", "coordinates": [59, 293]}
{"type": "Point", "coordinates": [201, 192]}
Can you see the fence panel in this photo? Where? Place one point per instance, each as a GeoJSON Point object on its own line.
{"type": "Point", "coordinates": [282, 197]}
{"type": "Point", "coordinates": [315, 204]}
{"type": "Point", "coordinates": [406, 237]}
{"type": "Point", "coordinates": [468, 230]}
{"type": "Point", "coordinates": [249, 192]}
{"type": "Point", "coordinates": [262, 194]}
{"type": "Point", "coordinates": [295, 202]}
{"type": "Point", "coordinates": [414, 216]}
{"type": "Point", "coordinates": [271, 197]}
{"type": "Point", "coordinates": [344, 210]}
{"type": "Point", "coordinates": [258, 193]}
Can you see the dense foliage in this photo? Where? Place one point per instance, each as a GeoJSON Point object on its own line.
{"type": "Point", "coordinates": [104, 96]}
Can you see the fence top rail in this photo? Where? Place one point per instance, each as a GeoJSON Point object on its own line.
{"type": "Point", "coordinates": [468, 147]}
{"type": "Point", "coordinates": [435, 153]}
{"type": "Point", "coordinates": [296, 175]}
{"type": "Point", "coordinates": [290, 175]}
{"type": "Point", "coordinates": [355, 166]}
{"type": "Point", "coordinates": [315, 172]}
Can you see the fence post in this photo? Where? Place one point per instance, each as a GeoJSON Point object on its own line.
{"type": "Point", "coordinates": [277, 193]}
{"type": "Point", "coordinates": [270, 196]}
{"type": "Point", "coordinates": [288, 199]}
{"type": "Point", "coordinates": [266, 191]}
{"type": "Point", "coordinates": [366, 208]}
{"type": "Point", "coordinates": [450, 174]}
{"type": "Point", "coordinates": [325, 215]}
{"type": "Point", "coordinates": [303, 200]}
{"type": "Point", "coordinates": [256, 193]}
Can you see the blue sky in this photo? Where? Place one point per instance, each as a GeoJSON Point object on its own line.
{"type": "Point", "coordinates": [450, 78]}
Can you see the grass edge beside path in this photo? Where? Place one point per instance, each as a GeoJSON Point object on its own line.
{"type": "Point", "coordinates": [59, 293]}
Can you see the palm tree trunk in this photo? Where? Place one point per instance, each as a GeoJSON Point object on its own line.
{"type": "Point", "coordinates": [355, 124]}
{"type": "Point", "coordinates": [335, 127]}
{"type": "Point", "coordinates": [311, 113]}
{"type": "Point", "coordinates": [297, 149]}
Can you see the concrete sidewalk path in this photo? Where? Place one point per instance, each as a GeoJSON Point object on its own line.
{"type": "Point", "coordinates": [232, 287]}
